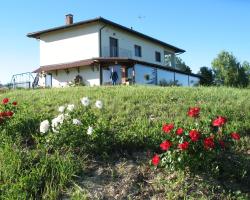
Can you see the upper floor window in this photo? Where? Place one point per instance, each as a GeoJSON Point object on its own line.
{"type": "Point", "coordinates": [137, 50]}
{"type": "Point", "coordinates": [113, 45]}
{"type": "Point", "coordinates": [157, 56]}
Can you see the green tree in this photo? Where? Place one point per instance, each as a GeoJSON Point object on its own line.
{"type": "Point", "coordinates": [246, 66]}
{"type": "Point", "coordinates": [207, 76]}
{"type": "Point", "coordinates": [228, 71]}
{"type": "Point", "coordinates": [181, 65]}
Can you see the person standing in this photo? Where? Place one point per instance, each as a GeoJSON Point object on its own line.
{"type": "Point", "coordinates": [113, 76]}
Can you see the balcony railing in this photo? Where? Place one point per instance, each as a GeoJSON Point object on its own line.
{"type": "Point", "coordinates": [116, 52]}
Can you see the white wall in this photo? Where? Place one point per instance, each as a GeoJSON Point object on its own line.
{"type": "Point", "coordinates": [90, 75]}
{"type": "Point", "coordinates": [126, 42]}
{"type": "Point", "coordinates": [141, 71]}
{"type": "Point", "coordinates": [69, 45]}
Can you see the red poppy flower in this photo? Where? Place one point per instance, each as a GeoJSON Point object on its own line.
{"type": "Point", "coordinates": [194, 135]}
{"type": "Point", "coordinates": [219, 121]}
{"type": "Point", "coordinates": [222, 144]}
{"type": "Point", "coordinates": [235, 136]}
{"type": "Point", "coordinates": [183, 146]}
{"type": "Point", "coordinates": [155, 160]}
{"type": "Point", "coordinates": [179, 131]}
{"type": "Point", "coordinates": [5, 101]}
{"type": "Point", "coordinates": [165, 145]}
{"type": "Point", "coordinates": [14, 103]}
{"type": "Point", "coordinates": [166, 128]}
{"type": "Point", "coordinates": [209, 143]}
{"type": "Point", "coordinates": [194, 112]}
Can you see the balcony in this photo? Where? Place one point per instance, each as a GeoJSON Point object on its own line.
{"type": "Point", "coordinates": [116, 52]}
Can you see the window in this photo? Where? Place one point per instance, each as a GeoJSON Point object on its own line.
{"type": "Point", "coordinates": [113, 44]}
{"type": "Point", "coordinates": [157, 56]}
{"type": "Point", "coordinates": [137, 50]}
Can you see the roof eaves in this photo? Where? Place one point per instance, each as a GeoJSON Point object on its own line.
{"type": "Point", "coordinates": [101, 19]}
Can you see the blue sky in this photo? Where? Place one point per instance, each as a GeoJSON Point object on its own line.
{"type": "Point", "coordinates": [202, 27]}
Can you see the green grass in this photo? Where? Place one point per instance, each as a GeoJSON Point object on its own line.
{"type": "Point", "coordinates": [135, 114]}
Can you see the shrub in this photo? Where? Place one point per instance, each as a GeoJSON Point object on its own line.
{"type": "Point", "coordinates": [186, 146]}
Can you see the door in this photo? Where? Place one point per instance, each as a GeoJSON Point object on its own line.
{"type": "Point", "coordinates": [113, 44]}
{"type": "Point", "coordinates": [48, 80]}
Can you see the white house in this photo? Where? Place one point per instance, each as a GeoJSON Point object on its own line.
{"type": "Point", "coordinates": [92, 51]}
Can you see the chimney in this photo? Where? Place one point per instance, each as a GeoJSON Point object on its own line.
{"type": "Point", "coordinates": [69, 19]}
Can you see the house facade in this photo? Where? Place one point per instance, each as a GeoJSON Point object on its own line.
{"type": "Point", "coordinates": [101, 52]}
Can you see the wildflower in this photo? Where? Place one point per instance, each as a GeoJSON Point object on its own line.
{"type": "Point", "coordinates": [194, 112]}
{"type": "Point", "coordinates": [183, 146]}
{"type": "Point", "coordinates": [99, 104]}
{"type": "Point", "coordinates": [155, 160]}
{"type": "Point", "coordinates": [5, 101]}
{"type": "Point", "coordinates": [61, 109]}
{"type": "Point", "coordinates": [70, 107]}
{"type": "Point", "coordinates": [44, 126]}
{"type": "Point", "coordinates": [209, 143]}
{"type": "Point", "coordinates": [90, 130]}
{"type": "Point", "coordinates": [219, 121]}
{"type": "Point", "coordinates": [85, 101]}
{"type": "Point", "coordinates": [166, 128]}
{"type": "Point", "coordinates": [179, 131]}
{"type": "Point", "coordinates": [77, 122]}
{"type": "Point", "coordinates": [194, 135]}
{"type": "Point", "coordinates": [165, 145]}
{"type": "Point", "coordinates": [235, 136]}
{"type": "Point", "coordinates": [14, 103]}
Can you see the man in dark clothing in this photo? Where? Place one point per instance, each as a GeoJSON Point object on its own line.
{"type": "Point", "coordinates": [114, 77]}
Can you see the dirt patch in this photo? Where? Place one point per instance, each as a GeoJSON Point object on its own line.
{"type": "Point", "coordinates": [125, 178]}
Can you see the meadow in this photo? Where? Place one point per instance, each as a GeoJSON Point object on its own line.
{"type": "Point", "coordinates": [114, 163]}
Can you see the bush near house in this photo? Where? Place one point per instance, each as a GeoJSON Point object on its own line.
{"type": "Point", "coordinates": [49, 162]}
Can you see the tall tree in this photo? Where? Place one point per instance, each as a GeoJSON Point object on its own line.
{"type": "Point", "coordinates": [207, 77]}
{"type": "Point", "coordinates": [246, 66]}
{"type": "Point", "coordinates": [228, 71]}
{"type": "Point", "coordinates": [181, 65]}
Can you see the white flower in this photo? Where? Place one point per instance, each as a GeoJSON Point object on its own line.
{"type": "Point", "coordinates": [77, 122]}
{"type": "Point", "coordinates": [60, 118]}
{"type": "Point", "coordinates": [56, 122]}
{"type": "Point", "coordinates": [70, 107]}
{"type": "Point", "coordinates": [44, 126]}
{"type": "Point", "coordinates": [85, 101]}
{"type": "Point", "coordinates": [61, 109]}
{"type": "Point", "coordinates": [98, 104]}
{"type": "Point", "coordinates": [90, 130]}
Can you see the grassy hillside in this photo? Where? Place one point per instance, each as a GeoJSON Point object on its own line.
{"type": "Point", "coordinates": [132, 118]}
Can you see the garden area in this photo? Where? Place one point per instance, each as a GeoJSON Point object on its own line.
{"type": "Point", "coordinates": [125, 142]}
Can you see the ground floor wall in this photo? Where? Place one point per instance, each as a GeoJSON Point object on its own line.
{"type": "Point", "coordinates": [90, 76]}
{"type": "Point", "coordinates": [137, 74]}
{"type": "Point", "coordinates": [150, 75]}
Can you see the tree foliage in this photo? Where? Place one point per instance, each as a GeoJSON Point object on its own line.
{"type": "Point", "coordinates": [229, 71]}
{"type": "Point", "coordinates": [181, 65]}
{"type": "Point", "coordinates": [207, 76]}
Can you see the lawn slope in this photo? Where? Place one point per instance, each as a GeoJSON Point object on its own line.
{"type": "Point", "coordinates": [135, 115]}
